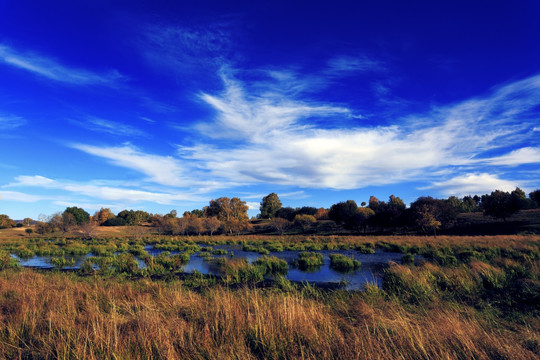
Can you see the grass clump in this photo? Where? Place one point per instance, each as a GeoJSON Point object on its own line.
{"type": "Point", "coordinates": [309, 260]}
{"type": "Point", "coordinates": [272, 265]}
{"type": "Point", "coordinates": [343, 263]}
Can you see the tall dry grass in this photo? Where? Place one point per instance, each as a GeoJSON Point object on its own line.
{"type": "Point", "coordinates": [59, 316]}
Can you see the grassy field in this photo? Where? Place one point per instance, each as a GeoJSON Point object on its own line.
{"type": "Point", "coordinates": [472, 298]}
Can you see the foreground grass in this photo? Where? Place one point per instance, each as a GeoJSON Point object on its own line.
{"type": "Point", "coordinates": [58, 315]}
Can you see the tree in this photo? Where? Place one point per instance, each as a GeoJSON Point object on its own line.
{"type": "Point", "coordinates": [426, 220]}
{"type": "Point", "coordinates": [343, 212]}
{"type": "Point", "coordinates": [212, 224]}
{"type": "Point", "coordinates": [88, 229]}
{"type": "Point", "coordinates": [361, 218]}
{"type": "Point", "coordinates": [441, 210]}
{"type": "Point", "coordinates": [322, 214]}
{"type": "Point", "coordinates": [280, 225]}
{"type": "Point", "coordinates": [79, 215]}
{"type": "Point", "coordinates": [501, 204]}
{"type": "Point", "coordinates": [27, 221]}
{"type": "Point", "coordinates": [63, 222]}
{"type": "Point", "coordinates": [270, 204]}
{"type": "Point", "coordinates": [6, 222]}
{"type": "Point", "coordinates": [102, 215]}
{"type": "Point", "coordinates": [286, 213]}
{"type": "Point", "coordinates": [231, 212]}
{"type": "Point", "coordinates": [195, 225]}
{"type": "Point", "coordinates": [535, 196]}
{"type": "Point", "coordinates": [304, 221]}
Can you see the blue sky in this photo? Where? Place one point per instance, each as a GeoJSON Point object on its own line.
{"type": "Point", "coordinates": [165, 105]}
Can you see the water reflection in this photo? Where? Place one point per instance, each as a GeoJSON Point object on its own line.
{"type": "Point", "coordinates": [369, 272]}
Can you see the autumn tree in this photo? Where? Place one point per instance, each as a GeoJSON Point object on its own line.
{"type": "Point", "coordinates": [88, 229]}
{"type": "Point", "coordinates": [426, 220]}
{"type": "Point", "coordinates": [270, 204]}
{"type": "Point", "coordinates": [280, 225]}
{"type": "Point", "coordinates": [212, 224]}
{"type": "Point", "coordinates": [231, 212]}
{"type": "Point", "coordinates": [322, 214]}
{"type": "Point", "coordinates": [6, 222]}
{"type": "Point", "coordinates": [27, 221]}
{"type": "Point", "coordinates": [304, 221]}
{"type": "Point", "coordinates": [102, 215]}
{"type": "Point", "coordinates": [63, 222]}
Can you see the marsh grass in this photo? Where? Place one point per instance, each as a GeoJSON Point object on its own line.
{"type": "Point", "coordinates": [343, 263]}
{"type": "Point", "coordinates": [469, 298]}
{"type": "Point", "coordinates": [309, 260]}
{"type": "Point", "coordinates": [56, 315]}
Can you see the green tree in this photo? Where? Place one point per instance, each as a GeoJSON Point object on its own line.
{"type": "Point", "coordinates": [343, 212]}
{"type": "Point", "coordinates": [361, 218]}
{"type": "Point", "coordinates": [270, 204]}
{"type": "Point", "coordinates": [79, 214]}
{"type": "Point", "coordinates": [535, 196]}
{"type": "Point", "coordinates": [501, 204]}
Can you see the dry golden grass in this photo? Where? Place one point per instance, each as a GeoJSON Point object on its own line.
{"type": "Point", "coordinates": [56, 316]}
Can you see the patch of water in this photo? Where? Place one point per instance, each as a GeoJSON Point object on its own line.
{"type": "Point", "coordinates": [369, 272]}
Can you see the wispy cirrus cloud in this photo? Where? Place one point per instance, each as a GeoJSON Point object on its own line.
{"type": "Point", "coordinates": [23, 197]}
{"type": "Point", "coordinates": [108, 126]}
{"type": "Point", "coordinates": [344, 65]}
{"type": "Point", "coordinates": [183, 48]}
{"type": "Point", "coordinates": [52, 69]}
{"type": "Point", "coordinates": [274, 144]}
{"type": "Point", "coordinates": [268, 137]}
{"type": "Point", "coordinates": [163, 170]}
{"type": "Point", "coordinates": [10, 121]}
{"type": "Point", "coordinates": [96, 191]}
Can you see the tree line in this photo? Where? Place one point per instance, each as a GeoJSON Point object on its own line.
{"type": "Point", "coordinates": [229, 215]}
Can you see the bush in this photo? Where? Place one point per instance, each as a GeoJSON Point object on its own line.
{"type": "Point", "coordinates": [115, 221]}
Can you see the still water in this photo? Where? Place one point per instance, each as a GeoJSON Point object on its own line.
{"type": "Point", "coordinates": [369, 272]}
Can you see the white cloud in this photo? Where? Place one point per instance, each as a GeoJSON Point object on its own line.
{"type": "Point", "coordinates": [31, 180]}
{"type": "Point", "coordinates": [275, 143]}
{"type": "Point", "coordinates": [22, 197]}
{"type": "Point", "coordinates": [472, 184]}
{"type": "Point", "coordinates": [163, 170]}
{"type": "Point", "coordinates": [526, 155]}
{"type": "Point", "coordinates": [51, 69]}
{"type": "Point", "coordinates": [94, 191]}
{"type": "Point", "coordinates": [10, 121]}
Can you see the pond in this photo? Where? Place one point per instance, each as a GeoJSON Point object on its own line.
{"type": "Point", "coordinates": [369, 272]}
